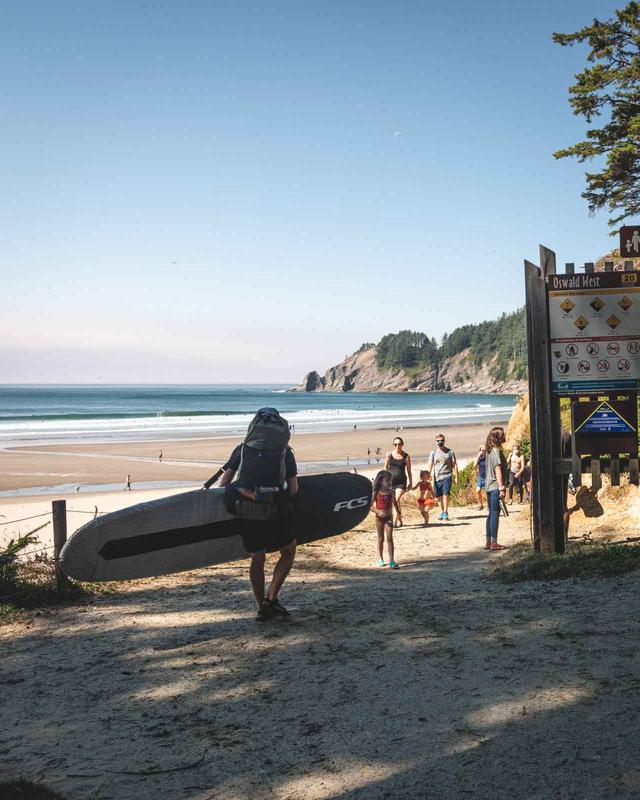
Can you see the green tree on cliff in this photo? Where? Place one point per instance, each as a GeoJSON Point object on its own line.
{"type": "Point", "coordinates": [607, 91]}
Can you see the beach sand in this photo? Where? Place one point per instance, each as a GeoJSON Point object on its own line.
{"type": "Point", "coordinates": [195, 460]}
{"type": "Point", "coordinates": [430, 682]}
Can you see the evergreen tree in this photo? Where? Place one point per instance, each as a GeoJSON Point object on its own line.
{"type": "Point", "coordinates": [609, 88]}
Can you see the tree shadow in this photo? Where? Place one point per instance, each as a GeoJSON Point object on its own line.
{"type": "Point", "coordinates": [433, 681]}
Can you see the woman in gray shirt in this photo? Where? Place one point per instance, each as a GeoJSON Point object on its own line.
{"type": "Point", "coordinates": [496, 466]}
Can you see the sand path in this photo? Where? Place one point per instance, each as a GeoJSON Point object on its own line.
{"type": "Point", "coordinates": [429, 682]}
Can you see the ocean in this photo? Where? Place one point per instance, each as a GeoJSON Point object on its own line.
{"type": "Point", "coordinates": [53, 414]}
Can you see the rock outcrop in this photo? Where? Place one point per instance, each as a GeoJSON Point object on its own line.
{"type": "Point", "coordinates": [359, 372]}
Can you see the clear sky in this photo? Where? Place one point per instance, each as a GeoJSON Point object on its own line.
{"type": "Point", "coordinates": [245, 191]}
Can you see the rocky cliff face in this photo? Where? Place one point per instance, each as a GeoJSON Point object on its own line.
{"type": "Point", "coordinates": [360, 373]}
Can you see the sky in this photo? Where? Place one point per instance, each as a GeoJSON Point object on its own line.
{"type": "Point", "coordinates": [219, 192]}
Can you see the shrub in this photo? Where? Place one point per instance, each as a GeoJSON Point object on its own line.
{"type": "Point", "coordinates": [463, 493]}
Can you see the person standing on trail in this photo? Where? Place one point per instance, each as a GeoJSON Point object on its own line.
{"type": "Point", "coordinates": [480, 470]}
{"type": "Point", "coordinates": [261, 477]}
{"type": "Point", "coordinates": [398, 463]}
{"type": "Point", "coordinates": [127, 484]}
{"type": "Point", "coordinates": [516, 468]}
{"type": "Point", "coordinates": [443, 466]}
{"type": "Point", "coordinates": [383, 501]}
{"type": "Point", "coordinates": [496, 484]}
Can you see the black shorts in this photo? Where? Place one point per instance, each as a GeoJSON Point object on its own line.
{"type": "Point", "coordinates": [399, 483]}
{"type": "Point", "coordinates": [269, 535]}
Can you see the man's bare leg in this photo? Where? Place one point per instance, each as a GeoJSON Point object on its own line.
{"type": "Point", "coordinates": [256, 576]}
{"type": "Point", "coordinates": [281, 570]}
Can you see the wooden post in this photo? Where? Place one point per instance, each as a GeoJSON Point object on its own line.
{"type": "Point", "coordinates": [633, 471]}
{"type": "Point", "coordinates": [589, 267]}
{"type": "Point", "coordinates": [548, 267]}
{"type": "Point", "coordinates": [614, 471]}
{"type": "Point", "coordinates": [547, 502]}
{"type": "Point", "coordinates": [596, 480]}
{"type": "Point", "coordinates": [569, 268]}
{"type": "Point", "coordinates": [59, 513]}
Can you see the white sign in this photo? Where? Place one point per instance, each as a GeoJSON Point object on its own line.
{"type": "Point", "coordinates": [594, 322]}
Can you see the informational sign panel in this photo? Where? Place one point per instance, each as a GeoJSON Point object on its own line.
{"type": "Point", "coordinates": [606, 424]}
{"type": "Point", "coordinates": [594, 321]}
{"type": "Point", "coordinates": [630, 241]}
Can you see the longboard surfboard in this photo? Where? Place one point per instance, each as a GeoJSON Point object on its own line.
{"type": "Point", "coordinates": [194, 529]}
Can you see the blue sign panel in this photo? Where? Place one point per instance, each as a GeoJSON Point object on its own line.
{"type": "Point", "coordinates": [605, 420]}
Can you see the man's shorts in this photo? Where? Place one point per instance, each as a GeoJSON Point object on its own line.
{"type": "Point", "coordinates": [267, 536]}
{"type": "Point", "coordinates": [443, 487]}
{"type": "Point", "coordinates": [480, 483]}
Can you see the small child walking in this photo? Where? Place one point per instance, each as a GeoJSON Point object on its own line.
{"type": "Point", "coordinates": [427, 497]}
{"type": "Point", "coordinates": [382, 505]}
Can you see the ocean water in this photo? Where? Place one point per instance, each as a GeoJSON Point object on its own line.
{"type": "Point", "coordinates": [35, 414]}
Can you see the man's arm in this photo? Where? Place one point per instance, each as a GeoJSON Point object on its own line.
{"type": "Point", "coordinates": [293, 485]}
{"type": "Point", "coordinates": [455, 467]}
{"type": "Point", "coordinates": [227, 477]}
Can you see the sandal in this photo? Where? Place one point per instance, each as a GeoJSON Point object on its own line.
{"type": "Point", "coordinates": [496, 546]}
{"type": "Point", "coordinates": [393, 565]}
{"type": "Point", "coordinates": [487, 546]}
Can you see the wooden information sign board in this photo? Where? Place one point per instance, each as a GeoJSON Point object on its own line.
{"type": "Point", "coordinates": [594, 327]}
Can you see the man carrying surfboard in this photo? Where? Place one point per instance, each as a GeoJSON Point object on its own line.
{"type": "Point", "coordinates": [261, 476]}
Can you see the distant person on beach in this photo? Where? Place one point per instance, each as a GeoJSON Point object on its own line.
{"type": "Point", "coordinates": [444, 468]}
{"type": "Point", "coordinates": [348, 459]}
{"type": "Point", "coordinates": [368, 455]}
{"type": "Point", "coordinates": [160, 456]}
{"type": "Point", "coordinates": [382, 505]}
{"type": "Point", "coordinates": [427, 499]}
{"type": "Point", "coordinates": [496, 472]}
{"type": "Point", "coordinates": [355, 427]}
{"type": "Point", "coordinates": [398, 463]}
{"type": "Point", "coordinates": [480, 471]}
{"type": "Point", "coordinates": [516, 468]}
{"type": "Point", "coordinates": [127, 484]}
{"type": "Point", "coordinates": [260, 537]}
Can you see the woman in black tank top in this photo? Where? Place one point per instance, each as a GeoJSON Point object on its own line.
{"type": "Point", "coordinates": [399, 465]}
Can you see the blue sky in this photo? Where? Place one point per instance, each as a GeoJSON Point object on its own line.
{"type": "Point", "coordinates": [244, 191]}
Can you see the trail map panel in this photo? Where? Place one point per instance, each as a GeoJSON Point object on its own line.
{"type": "Point", "coordinates": [594, 332]}
{"type": "Point", "coordinates": [606, 423]}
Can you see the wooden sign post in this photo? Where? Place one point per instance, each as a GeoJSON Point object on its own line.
{"type": "Point", "coordinates": [547, 502]}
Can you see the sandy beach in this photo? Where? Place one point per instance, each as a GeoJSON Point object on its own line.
{"type": "Point", "coordinates": [194, 460]}
{"type": "Point", "coordinates": [188, 462]}
{"type": "Point", "coordinates": [432, 681]}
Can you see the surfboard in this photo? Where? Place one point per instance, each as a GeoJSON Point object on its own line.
{"type": "Point", "coordinates": [194, 529]}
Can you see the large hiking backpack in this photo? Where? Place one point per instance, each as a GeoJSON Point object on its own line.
{"type": "Point", "coordinates": [262, 457]}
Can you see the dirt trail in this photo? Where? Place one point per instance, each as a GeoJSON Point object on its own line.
{"type": "Point", "coordinates": [430, 682]}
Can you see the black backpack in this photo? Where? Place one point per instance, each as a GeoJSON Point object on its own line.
{"type": "Point", "coordinates": [262, 457]}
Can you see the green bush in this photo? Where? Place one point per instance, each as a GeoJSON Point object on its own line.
{"type": "Point", "coordinates": [463, 493]}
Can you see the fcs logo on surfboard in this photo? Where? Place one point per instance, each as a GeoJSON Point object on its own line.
{"type": "Point", "coordinates": [349, 505]}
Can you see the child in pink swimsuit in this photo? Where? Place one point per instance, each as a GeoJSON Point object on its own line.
{"type": "Point", "coordinates": [382, 505]}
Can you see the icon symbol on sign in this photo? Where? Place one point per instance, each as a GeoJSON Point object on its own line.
{"type": "Point", "coordinates": [603, 365]}
{"type": "Point", "coordinates": [593, 349]}
{"type": "Point", "coordinates": [571, 349]}
{"type": "Point", "coordinates": [613, 348]}
{"type": "Point", "coordinates": [584, 366]}
{"type": "Point", "coordinates": [623, 365]}
{"type": "Point", "coordinates": [562, 367]}
{"type": "Point", "coordinates": [633, 348]}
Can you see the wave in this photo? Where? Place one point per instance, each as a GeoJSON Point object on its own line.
{"type": "Point", "coordinates": [128, 426]}
{"type": "Point", "coordinates": [111, 415]}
